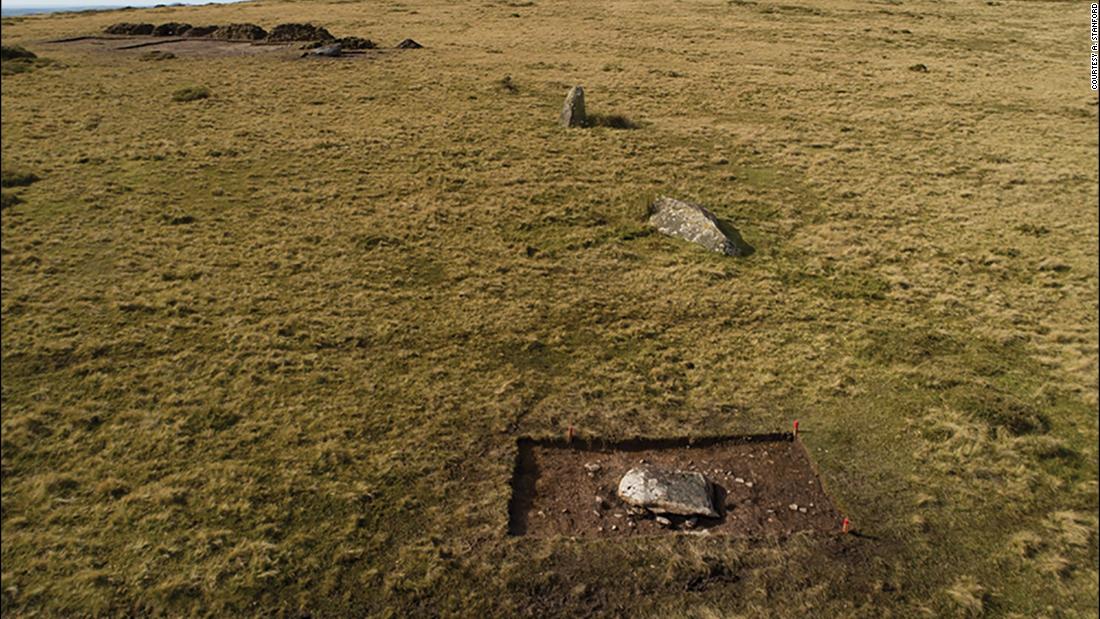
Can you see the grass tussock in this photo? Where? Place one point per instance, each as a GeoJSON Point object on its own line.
{"type": "Point", "coordinates": [9, 199]}
{"type": "Point", "coordinates": [969, 597]}
{"type": "Point", "coordinates": [191, 93]}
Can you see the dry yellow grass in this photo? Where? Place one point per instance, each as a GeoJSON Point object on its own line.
{"type": "Point", "coordinates": [267, 353]}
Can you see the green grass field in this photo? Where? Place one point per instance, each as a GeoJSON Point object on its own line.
{"type": "Point", "coordinates": [268, 352]}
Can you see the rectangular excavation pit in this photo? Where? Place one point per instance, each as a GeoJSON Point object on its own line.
{"type": "Point", "coordinates": [764, 486]}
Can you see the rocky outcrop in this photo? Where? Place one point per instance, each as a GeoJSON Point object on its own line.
{"type": "Point", "coordinates": [694, 223]}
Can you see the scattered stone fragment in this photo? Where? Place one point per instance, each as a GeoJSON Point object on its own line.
{"type": "Point", "coordinates": [690, 523]}
{"type": "Point", "coordinates": [572, 113]}
{"type": "Point", "coordinates": [686, 493]}
{"type": "Point", "coordinates": [664, 522]}
{"type": "Point", "coordinates": [740, 480]}
{"type": "Point", "coordinates": [592, 467]}
{"type": "Point", "coordinates": [299, 32]}
{"type": "Point", "coordinates": [749, 484]}
{"type": "Point", "coordinates": [129, 29]}
{"type": "Point", "coordinates": [694, 223]}
{"type": "Point", "coordinates": [409, 44]}
{"type": "Point", "coordinates": [802, 510]}
{"type": "Point", "coordinates": [919, 68]}
{"type": "Point", "coordinates": [614, 527]}
{"type": "Point", "coordinates": [171, 29]}
{"type": "Point", "coordinates": [601, 502]}
{"type": "Point", "coordinates": [793, 507]}
{"type": "Point", "coordinates": [597, 513]}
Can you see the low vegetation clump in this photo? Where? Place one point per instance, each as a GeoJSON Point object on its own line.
{"type": "Point", "coordinates": [16, 52]}
{"type": "Point", "coordinates": [16, 59]}
{"type": "Point", "coordinates": [191, 93]}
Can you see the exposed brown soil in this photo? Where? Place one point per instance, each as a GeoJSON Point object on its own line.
{"type": "Point", "coordinates": [182, 47]}
{"type": "Point", "coordinates": [757, 479]}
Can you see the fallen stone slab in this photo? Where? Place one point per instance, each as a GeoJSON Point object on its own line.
{"type": "Point", "coordinates": [328, 51]}
{"type": "Point", "coordinates": [572, 113]}
{"type": "Point", "coordinates": [684, 493]}
{"type": "Point", "coordinates": [694, 223]}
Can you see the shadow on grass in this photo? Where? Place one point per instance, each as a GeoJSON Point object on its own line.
{"type": "Point", "coordinates": [611, 121]}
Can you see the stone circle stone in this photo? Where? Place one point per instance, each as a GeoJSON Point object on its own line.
{"type": "Point", "coordinates": [695, 223]}
{"type": "Point", "coordinates": [572, 113]}
{"type": "Point", "coordinates": [684, 493]}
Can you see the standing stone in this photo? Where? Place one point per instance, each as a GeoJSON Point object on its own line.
{"type": "Point", "coordinates": [685, 493]}
{"type": "Point", "coordinates": [696, 224]}
{"type": "Point", "coordinates": [572, 113]}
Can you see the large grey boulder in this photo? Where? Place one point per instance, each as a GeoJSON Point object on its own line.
{"type": "Point", "coordinates": [684, 493]}
{"type": "Point", "coordinates": [572, 113]}
{"type": "Point", "coordinates": [696, 224]}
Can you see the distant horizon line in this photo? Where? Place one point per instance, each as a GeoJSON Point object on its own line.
{"type": "Point", "coordinates": [11, 9]}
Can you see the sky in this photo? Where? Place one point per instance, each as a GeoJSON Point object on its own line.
{"type": "Point", "coordinates": [54, 4]}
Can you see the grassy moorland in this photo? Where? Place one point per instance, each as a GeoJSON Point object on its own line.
{"type": "Point", "coordinates": [267, 352]}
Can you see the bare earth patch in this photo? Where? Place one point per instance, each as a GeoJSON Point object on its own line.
{"type": "Point", "coordinates": [764, 486]}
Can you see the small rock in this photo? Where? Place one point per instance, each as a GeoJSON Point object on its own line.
{"type": "Point", "coordinates": [690, 523]}
{"type": "Point", "coordinates": [739, 480]}
{"type": "Point", "coordinates": [601, 502]}
{"type": "Point", "coordinates": [919, 68]}
{"type": "Point", "coordinates": [793, 507]}
{"type": "Point", "coordinates": [664, 522]}
{"type": "Point", "coordinates": [802, 510]}
{"type": "Point", "coordinates": [597, 513]}
{"type": "Point", "coordinates": [572, 113]}
{"type": "Point", "coordinates": [592, 467]}
{"type": "Point", "coordinates": [614, 527]}
{"type": "Point", "coordinates": [749, 484]}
